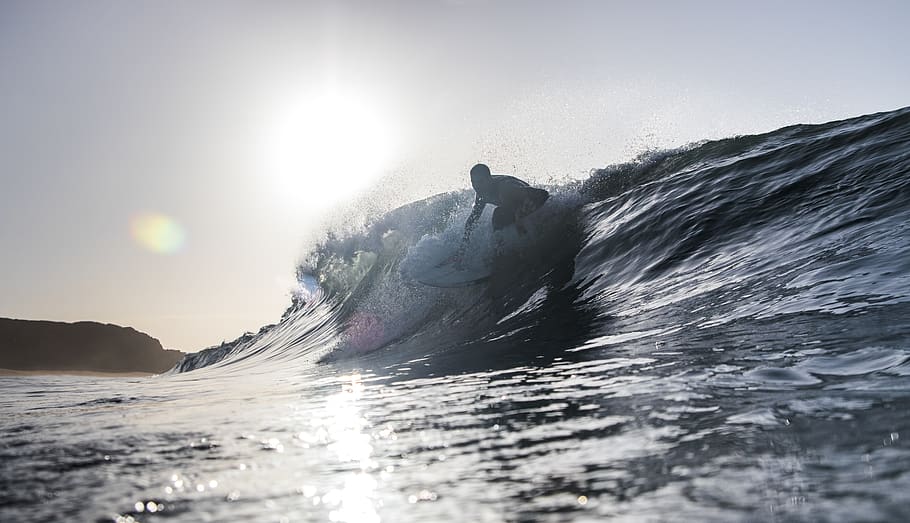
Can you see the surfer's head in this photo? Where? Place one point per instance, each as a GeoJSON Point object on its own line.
{"type": "Point", "coordinates": [480, 176]}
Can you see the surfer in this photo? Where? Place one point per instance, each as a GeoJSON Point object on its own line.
{"type": "Point", "coordinates": [514, 199]}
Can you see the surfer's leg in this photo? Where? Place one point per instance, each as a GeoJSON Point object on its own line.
{"type": "Point", "coordinates": [503, 217]}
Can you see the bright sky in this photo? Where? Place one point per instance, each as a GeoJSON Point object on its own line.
{"type": "Point", "coordinates": [157, 159]}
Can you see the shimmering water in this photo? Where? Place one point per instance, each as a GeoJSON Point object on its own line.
{"type": "Point", "coordinates": [776, 422]}
{"type": "Point", "coordinates": [713, 334]}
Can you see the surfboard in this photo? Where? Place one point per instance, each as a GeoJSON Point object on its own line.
{"type": "Point", "coordinates": [449, 274]}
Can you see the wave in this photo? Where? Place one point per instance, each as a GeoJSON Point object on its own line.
{"type": "Point", "coordinates": [808, 219]}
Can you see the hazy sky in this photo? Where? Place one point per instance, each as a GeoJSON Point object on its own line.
{"type": "Point", "coordinates": [153, 170]}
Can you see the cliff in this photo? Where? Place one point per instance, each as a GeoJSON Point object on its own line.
{"type": "Point", "coordinates": [82, 346]}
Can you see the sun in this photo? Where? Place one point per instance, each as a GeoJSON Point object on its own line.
{"type": "Point", "coordinates": [329, 147]}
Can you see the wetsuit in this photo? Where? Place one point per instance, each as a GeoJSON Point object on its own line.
{"type": "Point", "coordinates": [512, 197]}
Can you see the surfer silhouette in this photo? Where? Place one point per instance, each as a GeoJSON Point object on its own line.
{"type": "Point", "coordinates": [514, 199]}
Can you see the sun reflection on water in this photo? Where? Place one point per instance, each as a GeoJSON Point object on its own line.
{"type": "Point", "coordinates": [345, 430]}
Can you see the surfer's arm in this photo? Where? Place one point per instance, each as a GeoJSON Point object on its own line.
{"type": "Point", "coordinates": [469, 225]}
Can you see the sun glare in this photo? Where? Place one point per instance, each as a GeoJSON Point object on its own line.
{"type": "Point", "coordinates": [329, 147]}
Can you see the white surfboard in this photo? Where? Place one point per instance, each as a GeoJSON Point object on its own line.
{"type": "Point", "coordinates": [449, 274]}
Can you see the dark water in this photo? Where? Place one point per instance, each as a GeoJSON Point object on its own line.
{"type": "Point", "coordinates": [717, 333]}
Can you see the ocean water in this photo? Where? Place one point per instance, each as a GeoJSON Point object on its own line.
{"type": "Point", "coordinates": [715, 333]}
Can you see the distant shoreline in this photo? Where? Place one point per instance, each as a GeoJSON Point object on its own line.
{"type": "Point", "coordinates": [83, 348]}
{"type": "Point", "coordinates": [6, 373]}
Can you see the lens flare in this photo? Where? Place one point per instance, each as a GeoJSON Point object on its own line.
{"type": "Point", "coordinates": [157, 233]}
